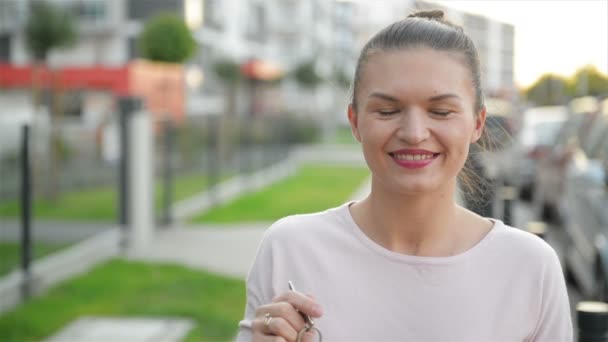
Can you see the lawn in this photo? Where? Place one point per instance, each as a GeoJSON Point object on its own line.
{"type": "Point", "coordinates": [121, 288]}
{"type": "Point", "coordinates": [10, 257]}
{"type": "Point", "coordinates": [311, 189]}
{"type": "Point", "coordinates": [100, 204]}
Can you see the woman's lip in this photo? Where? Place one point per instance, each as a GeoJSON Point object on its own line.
{"type": "Point", "coordinates": [412, 151]}
{"type": "Point", "coordinates": [414, 164]}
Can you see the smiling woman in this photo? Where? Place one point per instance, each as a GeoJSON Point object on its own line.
{"type": "Point", "coordinates": [407, 262]}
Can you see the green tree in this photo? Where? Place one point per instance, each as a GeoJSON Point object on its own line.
{"type": "Point", "coordinates": [306, 75]}
{"type": "Point", "coordinates": [588, 81]}
{"type": "Point", "coordinates": [166, 38]}
{"type": "Point", "coordinates": [48, 28]}
{"type": "Point", "coordinates": [548, 90]}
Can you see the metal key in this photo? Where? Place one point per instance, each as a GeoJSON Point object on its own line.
{"type": "Point", "coordinates": [309, 323]}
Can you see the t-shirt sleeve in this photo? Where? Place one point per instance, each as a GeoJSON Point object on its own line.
{"type": "Point", "coordinates": [555, 323]}
{"type": "Point", "coordinates": [259, 286]}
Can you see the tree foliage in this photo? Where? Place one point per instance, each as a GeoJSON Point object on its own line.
{"type": "Point", "coordinates": [548, 90]}
{"type": "Point", "coordinates": [588, 81]}
{"type": "Point", "coordinates": [166, 38]}
{"type": "Point", "coordinates": [306, 74]}
{"type": "Point", "coordinates": [48, 27]}
{"type": "Point", "coordinates": [227, 70]}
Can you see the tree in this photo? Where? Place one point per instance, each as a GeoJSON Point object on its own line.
{"type": "Point", "coordinates": [588, 81]}
{"type": "Point", "coordinates": [48, 28]}
{"type": "Point", "coordinates": [306, 75]}
{"type": "Point", "coordinates": [547, 90]}
{"type": "Point", "coordinates": [166, 38]}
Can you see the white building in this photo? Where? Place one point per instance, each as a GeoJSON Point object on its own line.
{"type": "Point", "coordinates": [286, 32]}
{"type": "Point", "coordinates": [493, 39]}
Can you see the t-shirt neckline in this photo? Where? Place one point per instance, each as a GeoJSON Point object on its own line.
{"type": "Point", "coordinates": [414, 259]}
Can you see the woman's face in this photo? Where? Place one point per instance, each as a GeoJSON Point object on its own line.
{"type": "Point", "coordinates": [415, 118]}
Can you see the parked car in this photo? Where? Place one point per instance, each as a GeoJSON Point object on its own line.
{"type": "Point", "coordinates": [535, 138]}
{"type": "Point", "coordinates": [584, 207]}
{"type": "Point", "coordinates": [553, 163]}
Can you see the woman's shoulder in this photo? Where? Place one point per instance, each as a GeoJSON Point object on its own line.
{"type": "Point", "coordinates": [521, 243]}
{"type": "Point", "coordinates": [308, 224]}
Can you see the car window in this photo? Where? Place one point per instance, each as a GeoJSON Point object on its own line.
{"type": "Point", "coordinates": [594, 138]}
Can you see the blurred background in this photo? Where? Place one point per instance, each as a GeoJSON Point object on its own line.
{"type": "Point", "coordinates": [145, 146]}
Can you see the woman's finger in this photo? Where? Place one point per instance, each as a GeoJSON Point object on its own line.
{"type": "Point", "coordinates": [275, 325]}
{"type": "Point", "coordinates": [283, 310]}
{"type": "Point", "coordinates": [301, 302]}
{"type": "Point", "coordinates": [260, 337]}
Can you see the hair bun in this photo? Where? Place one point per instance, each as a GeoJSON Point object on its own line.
{"type": "Point", "coordinates": [434, 14]}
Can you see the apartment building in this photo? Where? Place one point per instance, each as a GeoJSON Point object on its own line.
{"type": "Point", "coordinates": [494, 39]}
{"type": "Point", "coordinates": [283, 32]}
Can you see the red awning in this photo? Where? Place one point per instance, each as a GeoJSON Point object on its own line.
{"type": "Point", "coordinates": [102, 78]}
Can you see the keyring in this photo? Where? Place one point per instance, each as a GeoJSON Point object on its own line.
{"type": "Point", "coordinates": [306, 329]}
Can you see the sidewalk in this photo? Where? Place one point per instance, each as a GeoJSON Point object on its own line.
{"type": "Point", "coordinates": [224, 249]}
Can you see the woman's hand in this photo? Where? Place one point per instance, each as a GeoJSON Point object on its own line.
{"type": "Point", "coordinates": [285, 321]}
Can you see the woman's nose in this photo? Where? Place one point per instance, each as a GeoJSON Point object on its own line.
{"type": "Point", "coordinates": [413, 127]}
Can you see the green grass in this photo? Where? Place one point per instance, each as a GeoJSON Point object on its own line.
{"type": "Point", "coordinates": [345, 136]}
{"type": "Point", "coordinates": [121, 288]}
{"type": "Point", "coordinates": [10, 254]}
{"type": "Point", "coordinates": [311, 189]}
{"type": "Point", "coordinates": [99, 204]}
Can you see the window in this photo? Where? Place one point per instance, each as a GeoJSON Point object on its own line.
{"type": "Point", "coordinates": [212, 14]}
{"type": "Point", "coordinates": [89, 10]}
{"type": "Point", "coordinates": [144, 9]}
{"type": "Point", "coordinates": [5, 48]}
{"type": "Point", "coordinates": [133, 48]}
{"type": "Point", "coordinates": [256, 26]}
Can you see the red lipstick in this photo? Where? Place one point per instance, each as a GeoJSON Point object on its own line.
{"type": "Point", "coordinates": [413, 158]}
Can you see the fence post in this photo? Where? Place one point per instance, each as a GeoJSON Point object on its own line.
{"type": "Point", "coordinates": [127, 105]}
{"type": "Point", "coordinates": [537, 228]}
{"type": "Point", "coordinates": [212, 156]}
{"type": "Point", "coordinates": [26, 213]}
{"type": "Point", "coordinates": [508, 194]}
{"type": "Point", "coordinates": [592, 319]}
{"type": "Point", "coordinates": [141, 180]}
{"type": "Point", "coordinates": [168, 173]}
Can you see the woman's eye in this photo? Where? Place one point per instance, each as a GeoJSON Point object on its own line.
{"type": "Point", "coordinates": [441, 112]}
{"type": "Point", "coordinates": [388, 112]}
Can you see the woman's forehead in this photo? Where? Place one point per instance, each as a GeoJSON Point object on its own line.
{"type": "Point", "coordinates": [416, 70]}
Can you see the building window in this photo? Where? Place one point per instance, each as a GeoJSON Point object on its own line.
{"type": "Point", "coordinates": [256, 26]}
{"type": "Point", "coordinates": [212, 14]}
{"type": "Point", "coordinates": [72, 101]}
{"type": "Point", "coordinates": [133, 48]}
{"type": "Point", "coordinates": [145, 9]}
{"type": "Point", "coordinates": [89, 10]}
{"type": "Point", "coordinates": [5, 48]}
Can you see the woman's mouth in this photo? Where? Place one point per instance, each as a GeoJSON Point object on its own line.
{"type": "Point", "coordinates": [414, 159]}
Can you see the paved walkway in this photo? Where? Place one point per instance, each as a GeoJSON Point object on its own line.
{"type": "Point", "coordinates": [224, 249]}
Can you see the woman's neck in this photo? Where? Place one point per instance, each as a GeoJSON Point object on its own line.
{"type": "Point", "coordinates": [414, 224]}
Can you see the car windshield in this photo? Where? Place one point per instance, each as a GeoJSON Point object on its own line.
{"type": "Point", "coordinates": [542, 133]}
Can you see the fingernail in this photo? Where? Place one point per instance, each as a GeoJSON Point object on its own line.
{"type": "Point", "coordinates": [317, 310]}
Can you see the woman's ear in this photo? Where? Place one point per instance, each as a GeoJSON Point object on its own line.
{"type": "Point", "coordinates": [480, 122]}
{"type": "Point", "coordinates": [352, 119]}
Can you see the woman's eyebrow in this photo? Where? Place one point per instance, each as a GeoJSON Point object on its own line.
{"type": "Point", "coordinates": [384, 96]}
{"type": "Point", "coordinates": [443, 97]}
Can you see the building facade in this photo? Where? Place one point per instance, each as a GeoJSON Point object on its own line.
{"type": "Point", "coordinates": [284, 32]}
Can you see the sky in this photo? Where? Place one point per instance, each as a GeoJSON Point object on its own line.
{"type": "Point", "coordinates": [556, 36]}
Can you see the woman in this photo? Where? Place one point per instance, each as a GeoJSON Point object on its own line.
{"type": "Point", "coordinates": [407, 263]}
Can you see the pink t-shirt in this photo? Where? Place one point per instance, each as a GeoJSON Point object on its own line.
{"type": "Point", "coordinates": [508, 287]}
